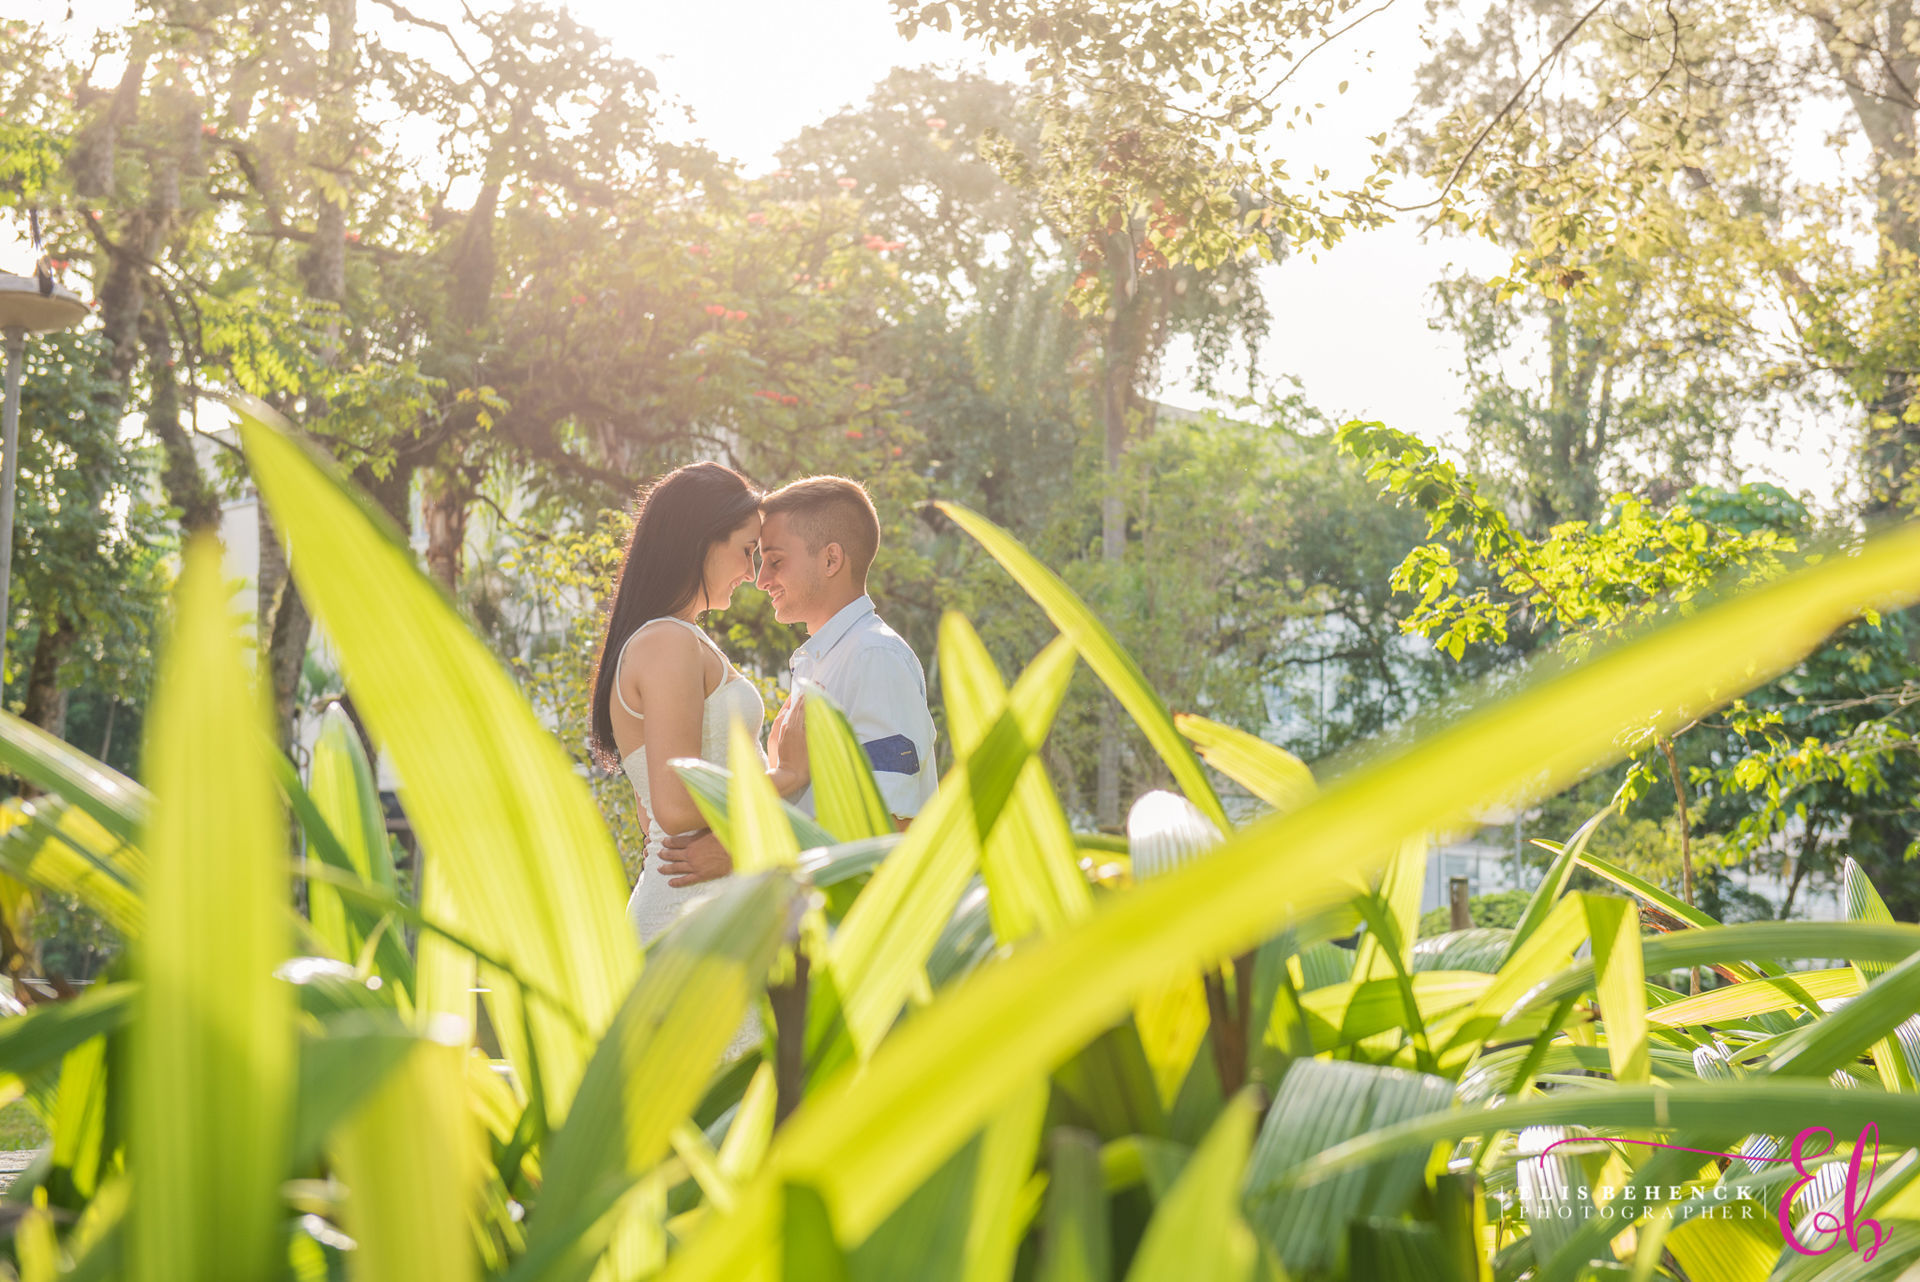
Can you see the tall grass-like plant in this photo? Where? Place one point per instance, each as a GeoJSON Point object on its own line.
{"type": "Point", "coordinates": [985, 1055]}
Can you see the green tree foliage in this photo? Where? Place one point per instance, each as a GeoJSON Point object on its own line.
{"type": "Point", "coordinates": [1669, 186]}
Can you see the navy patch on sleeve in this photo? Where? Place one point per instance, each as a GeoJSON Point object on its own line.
{"type": "Point", "coordinates": [894, 755]}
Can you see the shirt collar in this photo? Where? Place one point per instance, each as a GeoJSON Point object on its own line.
{"type": "Point", "coordinates": [843, 621]}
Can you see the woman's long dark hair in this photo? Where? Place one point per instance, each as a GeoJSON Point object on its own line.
{"type": "Point", "coordinates": [686, 512]}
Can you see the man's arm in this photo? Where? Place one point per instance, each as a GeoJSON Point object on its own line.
{"type": "Point", "coordinates": [885, 700]}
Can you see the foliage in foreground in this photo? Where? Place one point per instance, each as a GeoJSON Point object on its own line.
{"type": "Point", "coordinates": [980, 1061]}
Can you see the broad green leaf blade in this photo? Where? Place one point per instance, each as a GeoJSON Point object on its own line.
{"type": "Point", "coordinates": [370, 912]}
{"type": "Point", "coordinates": [212, 1067]}
{"type": "Point", "coordinates": [1723, 1250]}
{"type": "Point", "coordinates": [846, 800]}
{"type": "Point", "coordinates": [1196, 1231]}
{"type": "Point", "coordinates": [925, 1237]}
{"type": "Point", "coordinates": [810, 1251]}
{"type": "Point", "coordinates": [1028, 861]}
{"type": "Point", "coordinates": [862, 1138]}
{"type": "Point", "coordinates": [1266, 770]}
{"type": "Point", "coordinates": [886, 937]}
{"type": "Point", "coordinates": [1755, 997]}
{"type": "Point", "coordinates": [708, 785]}
{"type": "Point", "coordinates": [996, 1224]}
{"type": "Point", "coordinates": [1613, 926]}
{"type": "Point", "coordinates": [410, 1158]}
{"type": "Point", "coordinates": [1319, 1104]}
{"type": "Point", "coordinates": [352, 1057]}
{"type": "Point", "coordinates": [1482, 948]}
{"type": "Point", "coordinates": [762, 837]}
{"type": "Point", "coordinates": [54, 766]}
{"type": "Point", "coordinates": [340, 785]}
{"type": "Point", "coordinates": [1399, 895]}
{"type": "Point", "coordinates": [1076, 1244]}
{"type": "Point", "coordinates": [82, 1144]}
{"type": "Point", "coordinates": [1864, 904]}
{"type": "Point", "coordinates": [1516, 986]}
{"type": "Point", "coordinates": [39, 1038]}
{"type": "Point", "coordinates": [1404, 1252]}
{"type": "Point", "coordinates": [1341, 1014]}
{"type": "Point", "coordinates": [522, 855]}
{"type": "Point", "coordinates": [751, 1129]}
{"type": "Point", "coordinates": [651, 1068]}
{"type": "Point", "coordinates": [57, 846]}
{"type": "Point", "coordinates": [1554, 884]}
{"type": "Point", "coordinates": [1111, 663]}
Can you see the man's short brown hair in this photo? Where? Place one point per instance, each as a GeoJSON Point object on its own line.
{"type": "Point", "coordinates": [830, 509]}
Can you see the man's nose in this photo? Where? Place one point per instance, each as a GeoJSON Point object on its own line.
{"type": "Point", "coordinates": [760, 576]}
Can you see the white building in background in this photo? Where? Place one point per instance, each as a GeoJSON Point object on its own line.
{"type": "Point", "coordinates": [1490, 858]}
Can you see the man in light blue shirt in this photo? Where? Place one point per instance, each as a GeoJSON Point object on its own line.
{"type": "Point", "coordinates": [818, 537]}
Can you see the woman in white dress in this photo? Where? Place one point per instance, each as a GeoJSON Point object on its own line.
{"type": "Point", "coordinates": [662, 688]}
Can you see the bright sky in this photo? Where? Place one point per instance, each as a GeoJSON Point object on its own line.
{"type": "Point", "coordinates": [1351, 325]}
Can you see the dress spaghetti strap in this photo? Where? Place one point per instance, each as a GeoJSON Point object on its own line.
{"type": "Point", "coordinates": [665, 618]}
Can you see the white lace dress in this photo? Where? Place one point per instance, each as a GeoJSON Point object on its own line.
{"type": "Point", "coordinates": [654, 904]}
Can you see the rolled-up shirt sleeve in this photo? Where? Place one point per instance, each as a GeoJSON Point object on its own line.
{"type": "Point", "coordinates": [885, 699]}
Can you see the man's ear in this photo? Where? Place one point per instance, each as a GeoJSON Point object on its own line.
{"type": "Point", "coordinates": [834, 559]}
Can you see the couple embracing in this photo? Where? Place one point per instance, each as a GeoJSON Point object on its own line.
{"type": "Point", "coordinates": [664, 690]}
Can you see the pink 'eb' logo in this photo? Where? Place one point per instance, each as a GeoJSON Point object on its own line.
{"type": "Point", "coordinates": [1826, 1222]}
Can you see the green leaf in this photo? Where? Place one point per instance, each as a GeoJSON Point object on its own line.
{"type": "Point", "coordinates": [650, 1070]}
{"type": "Point", "coordinates": [810, 1252]}
{"type": "Point", "coordinates": [996, 1222]}
{"type": "Point", "coordinates": [1270, 773]}
{"type": "Point", "coordinates": [212, 1068]}
{"type": "Point", "coordinates": [1388, 952]}
{"type": "Point", "coordinates": [1028, 861]}
{"type": "Point", "coordinates": [1075, 1246]}
{"type": "Point", "coordinates": [411, 1161]}
{"type": "Point", "coordinates": [709, 785]}
{"type": "Point", "coordinates": [1613, 926]}
{"type": "Point", "coordinates": [1112, 664]}
{"type": "Point", "coordinates": [351, 1057]}
{"type": "Point", "coordinates": [1554, 884]}
{"type": "Point", "coordinates": [340, 784]}
{"type": "Point", "coordinates": [1755, 997]}
{"type": "Point", "coordinates": [846, 800]}
{"type": "Point", "coordinates": [866, 1136]}
{"type": "Point", "coordinates": [507, 830]}
{"type": "Point", "coordinates": [115, 802]}
{"type": "Point", "coordinates": [1864, 904]}
{"type": "Point", "coordinates": [57, 846]}
{"type": "Point", "coordinates": [1319, 1104]}
{"type": "Point", "coordinates": [1196, 1231]}
{"type": "Point", "coordinates": [885, 938]}
{"type": "Point", "coordinates": [763, 838]}
{"type": "Point", "coordinates": [39, 1038]}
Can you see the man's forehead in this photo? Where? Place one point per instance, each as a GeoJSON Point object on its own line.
{"type": "Point", "coordinates": [773, 530]}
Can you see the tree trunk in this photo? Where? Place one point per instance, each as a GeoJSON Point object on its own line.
{"type": "Point", "coordinates": [446, 499]}
{"type": "Point", "coordinates": [292, 628]}
{"type": "Point", "coordinates": [46, 700]}
{"type": "Point", "coordinates": [285, 624]}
